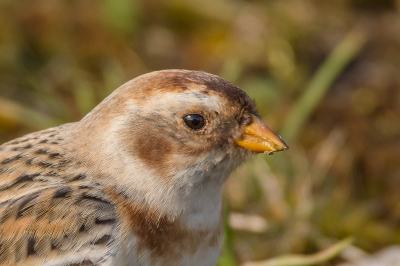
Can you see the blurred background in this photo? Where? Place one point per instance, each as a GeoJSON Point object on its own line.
{"type": "Point", "coordinates": [324, 74]}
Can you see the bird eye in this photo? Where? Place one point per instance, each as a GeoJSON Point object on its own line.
{"type": "Point", "coordinates": [194, 121]}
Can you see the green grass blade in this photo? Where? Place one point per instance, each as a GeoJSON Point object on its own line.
{"type": "Point", "coordinates": [303, 260]}
{"type": "Point", "coordinates": [228, 254]}
{"type": "Point", "coordinates": [21, 115]}
{"type": "Point", "coordinates": [340, 57]}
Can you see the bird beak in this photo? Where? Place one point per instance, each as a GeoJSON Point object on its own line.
{"type": "Point", "coordinates": [258, 137]}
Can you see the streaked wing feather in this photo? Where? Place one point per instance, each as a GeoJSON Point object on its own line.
{"type": "Point", "coordinates": [51, 213]}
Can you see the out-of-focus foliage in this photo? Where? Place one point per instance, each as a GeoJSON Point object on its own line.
{"type": "Point", "coordinates": [340, 178]}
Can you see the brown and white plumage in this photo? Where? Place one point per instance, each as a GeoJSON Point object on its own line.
{"type": "Point", "coordinates": [131, 183]}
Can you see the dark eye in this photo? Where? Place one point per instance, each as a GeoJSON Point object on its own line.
{"type": "Point", "coordinates": [194, 121]}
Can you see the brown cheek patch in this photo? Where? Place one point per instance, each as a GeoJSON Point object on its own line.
{"type": "Point", "coordinates": [155, 151]}
{"type": "Point", "coordinates": [166, 239]}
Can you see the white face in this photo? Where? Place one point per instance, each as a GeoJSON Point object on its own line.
{"type": "Point", "coordinates": [165, 162]}
{"type": "Point", "coordinates": [194, 129]}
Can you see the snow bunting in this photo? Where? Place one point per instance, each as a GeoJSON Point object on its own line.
{"type": "Point", "coordinates": [138, 181]}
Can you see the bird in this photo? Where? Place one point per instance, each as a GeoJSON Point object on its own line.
{"type": "Point", "coordinates": [137, 181]}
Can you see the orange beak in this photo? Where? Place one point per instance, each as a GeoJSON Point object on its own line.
{"type": "Point", "coordinates": [258, 137]}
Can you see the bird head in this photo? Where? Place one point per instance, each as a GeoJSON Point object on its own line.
{"type": "Point", "coordinates": [182, 127]}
